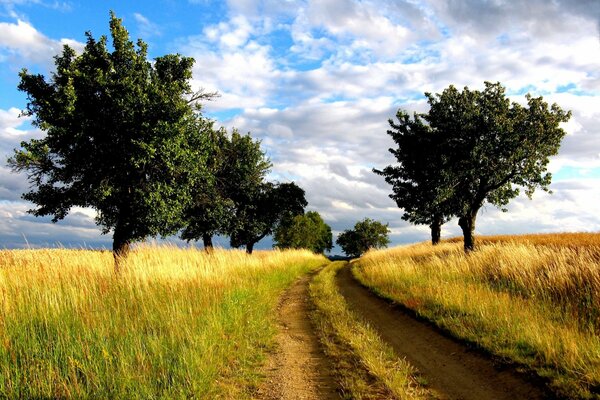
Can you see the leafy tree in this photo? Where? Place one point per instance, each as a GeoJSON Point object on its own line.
{"type": "Point", "coordinates": [419, 184]}
{"type": "Point", "coordinates": [118, 133]}
{"type": "Point", "coordinates": [493, 148]}
{"type": "Point", "coordinates": [367, 234]}
{"type": "Point", "coordinates": [307, 231]}
{"type": "Point", "coordinates": [263, 211]}
{"type": "Point", "coordinates": [211, 209]}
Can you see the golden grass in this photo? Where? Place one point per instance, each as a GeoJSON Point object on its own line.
{"type": "Point", "coordinates": [366, 366]}
{"type": "Point", "coordinates": [524, 298]}
{"type": "Point", "coordinates": [177, 323]}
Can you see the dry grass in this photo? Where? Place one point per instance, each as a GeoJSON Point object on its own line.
{"type": "Point", "coordinates": [177, 323]}
{"type": "Point", "coordinates": [533, 299]}
{"type": "Point", "coordinates": [366, 366]}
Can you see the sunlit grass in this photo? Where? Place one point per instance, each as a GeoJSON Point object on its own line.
{"type": "Point", "coordinates": [533, 299]}
{"type": "Point", "coordinates": [177, 323]}
{"type": "Point", "coordinates": [367, 367]}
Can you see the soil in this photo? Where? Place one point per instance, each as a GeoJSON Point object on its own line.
{"type": "Point", "coordinates": [451, 368]}
{"type": "Point", "coordinates": [299, 369]}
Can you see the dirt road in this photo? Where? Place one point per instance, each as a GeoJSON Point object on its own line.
{"type": "Point", "coordinates": [449, 367]}
{"type": "Point", "coordinates": [299, 369]}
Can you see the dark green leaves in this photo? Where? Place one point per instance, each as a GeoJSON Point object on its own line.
{"type": "Point", "coordinates": [119, 137]}
{"type": "Point", "coordinates": [367, 234]}
{"type": "Point", "coordinates": [307, 231]}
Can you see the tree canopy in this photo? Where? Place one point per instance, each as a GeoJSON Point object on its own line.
{"type": "Point", "coordinates": [307, 231]}
{"type": "Point", "coordinates": [262, 210]}
{"type": "Point", "coordinates": [489, 149]}
{"type": "Point", "coordinates": [118, 137]}
{"type": "Point", "coordinates": [367, 234]}
{"type": "Point", "coordinates": [419, 183]}
{"type": "Point", "coordinates": [237, 167]}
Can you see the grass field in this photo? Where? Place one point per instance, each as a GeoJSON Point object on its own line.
{"type": "Point", "coordinates": [532, 299]}
{"type": "Point", "coordinates": [177, 323]}
{"type": "Point", "coordinates": [366, 367]}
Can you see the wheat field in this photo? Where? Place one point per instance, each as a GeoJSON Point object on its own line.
{"type": "Point", "coordinates": [531, 299]}
{"type": "Point", "coordinates": [176, 323]}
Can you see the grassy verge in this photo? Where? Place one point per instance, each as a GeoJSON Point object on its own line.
{"type": "Point", "coordinates": [535, 304]}
{"type": "Point", "coordinates": [176, 324]}
{"type": "Point", "coordinates": [366, 366]}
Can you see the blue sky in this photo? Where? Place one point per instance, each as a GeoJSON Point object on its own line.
{"type": "Point", "coordinates": [316, 81]}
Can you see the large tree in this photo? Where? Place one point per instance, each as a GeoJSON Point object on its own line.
{"type": "Point", "coordinates": [307, 231]}
{"type": "Point", "coordinates": [262, 210]}
{"type": "Point", "coordinates": [493, 147]}
{"type": "Point", "coordinates": [420, 186]}
{"type": "Point", "coordinates": [367, 234]}
{"type": "Point", "coordinates": [118, 132]}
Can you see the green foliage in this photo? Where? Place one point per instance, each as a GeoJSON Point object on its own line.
{"type": "Point", "coordinates": [472, 147]}
{"type": "Point", "coordinates": [262, 210]}
{"type": "Point", "coordinates": [367, 234]}
{"type": "Point", "coordinates": [419, 185]}
{"type": "Point", "coordinates": [494, 148]}
{"type": "Point", "coordinates": [118, 137]}
{"type": "Point", "coordinates": [307, 231]}
{"type": "Point", "coordinates": [236, 167]}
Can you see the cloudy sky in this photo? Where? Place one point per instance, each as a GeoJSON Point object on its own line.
{"type": "Point", "coordinates": [316, 81]}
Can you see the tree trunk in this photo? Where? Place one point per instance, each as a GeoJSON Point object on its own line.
{"type": "Point", "coordinates": [208, 243]}
{"type": "Point", "coordinates": [121, 246]}
{"type": "Point", "coordinates": [436, 230]}
{"type": "Point", "coordinates": [249, 247]}
{"type": "Point", "coordinates": [467, 224]}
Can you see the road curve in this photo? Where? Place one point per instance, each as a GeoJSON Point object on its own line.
{"type": "Point", "coordinates": [451, 369]}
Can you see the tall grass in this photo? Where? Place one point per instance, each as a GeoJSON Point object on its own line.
{"type": "Point", "coordinates": [177, 323]}
{"type": "Point", "coordinates": [526, 299]}
{"type": "Point", "coordinates": [366, 367]}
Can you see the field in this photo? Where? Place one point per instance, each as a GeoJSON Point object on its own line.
{"type": "Point", "coordinates": [367, 367]}
{"type": "Point", "coordinates": [177, 323]}
{"type": "Point", "coordinates": [533, 300]}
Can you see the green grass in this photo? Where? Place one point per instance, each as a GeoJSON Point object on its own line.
{"type": "Point", "coordinates": [366, 367]}
{"type": "Point", "coordinates": [176, 324]}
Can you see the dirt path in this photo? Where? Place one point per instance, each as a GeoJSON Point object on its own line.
{"type": "Point", "coordinates": [449, 367]}
{"type": "Point", "coordinates": [299, 369]}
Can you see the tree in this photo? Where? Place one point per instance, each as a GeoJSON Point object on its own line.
{"type": "Point", "coordinates": [211, 208]}
{"type": "Point", "coordinates": [493, 148]}
{"type": "Point", "coordinates": [118, 133]}
{"type": "Point", "coordinates": [419, 185]}
{"type": "Point", "coordinates": [263, 211]}
{"type": "Point", "coordinates": [367, 234]}
{"type": "Point", "coordinates": [307, 231]}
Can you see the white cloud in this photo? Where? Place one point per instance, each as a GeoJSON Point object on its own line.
{"type": "Point", "coordinates": [24, 44]}
{"type": "Point", "coordinates": [146, 27]}
{"type": "Point", "coordinates": [319, 94]}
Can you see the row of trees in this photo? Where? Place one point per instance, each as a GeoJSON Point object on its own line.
{"type": "Point", "coordinates": [471, 148]}
{"type": "Point", "coordinates": [127, 138]}
{"type": "Point", "coordinates": [309, 231]}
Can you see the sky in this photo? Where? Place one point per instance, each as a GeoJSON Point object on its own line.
{"type": "Point", "coordinates": [316, 82]}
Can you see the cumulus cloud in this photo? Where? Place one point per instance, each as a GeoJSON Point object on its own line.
{"type": "Point", "coordinates": [317, 80]}
{"type": "Point", "coordinates": [21, 42]}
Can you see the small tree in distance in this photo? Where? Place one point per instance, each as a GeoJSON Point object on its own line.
{"type": "Point", "coordinates": [367, 234]}
{"type": "Point", "coordinates": [307, 231]}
